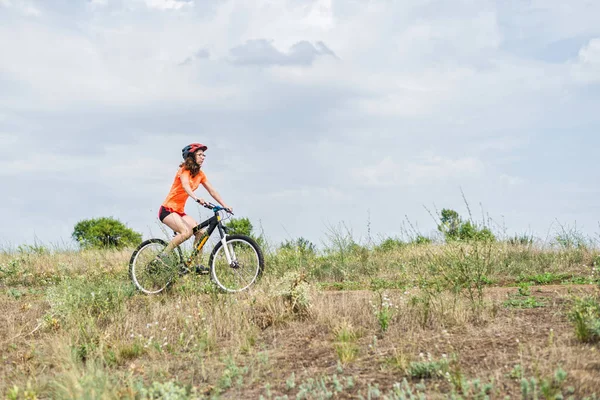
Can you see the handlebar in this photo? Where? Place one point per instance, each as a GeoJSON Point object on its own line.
{"type": "Point", "coordinates": [216, 208]}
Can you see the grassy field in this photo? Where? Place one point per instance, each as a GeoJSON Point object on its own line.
{"type": "Point", "coordinates": [401, 321]}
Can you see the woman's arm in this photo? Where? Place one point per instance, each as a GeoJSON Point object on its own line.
{"type": "Point", "coordinates": [185, 183]}
{"type": "Point", "coordinates": [215, 195]}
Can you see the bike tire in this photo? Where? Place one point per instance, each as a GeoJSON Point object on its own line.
{"type": "Point", "coordinates": [250, 264]}
{"type": "Point", "coordinates": [149, 276]}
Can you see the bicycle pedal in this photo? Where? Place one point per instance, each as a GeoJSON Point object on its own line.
{"type": "Point", "coordinates": [183, 270]}
{"type": "Point", "coordinates": [201, 270]}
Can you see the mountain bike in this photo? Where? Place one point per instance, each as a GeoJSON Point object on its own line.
{"type": "Point", "coordinates": [236, 262]}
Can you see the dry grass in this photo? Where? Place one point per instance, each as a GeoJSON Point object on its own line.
{"type": "Point", "coordinates": [71, 327]}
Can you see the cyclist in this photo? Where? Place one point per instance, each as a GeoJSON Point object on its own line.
{"type": "Point", "coordinates": [188, 178]}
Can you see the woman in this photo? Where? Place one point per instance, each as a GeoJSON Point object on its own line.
{"type": "Point", "coordinates": [188, 179]}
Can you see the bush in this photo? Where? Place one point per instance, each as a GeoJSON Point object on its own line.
{"type": "Point", "coordinates": [243, 226]}
{"type": "Point", "coordinates": [454, 228]}
{"type": "Point", "coordinates": [73, 299]}
{"type": "Point", "coordinates": [105, 233]}
{"type": "Point", "coordinates": [521, 240]}
{"type": "Point", "coordinates": [390, 244]}
{"type": "Point", "coordinates": [420, 239]}
{"type": "Point", "coordinates": [585, 316]}
{"type": "Point", "coordinates": [303, 246]}
{"type": "Point", "coordinates": [167, 391]}
{"type": "Point", "coordinates": [240, 226]}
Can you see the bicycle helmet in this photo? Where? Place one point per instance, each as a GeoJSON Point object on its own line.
{"type": "Point", "coordinates": [191, 148]}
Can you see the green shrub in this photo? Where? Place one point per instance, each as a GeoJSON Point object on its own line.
{"type": "Point", "coordinates": [585, 315]}
{"type": "Point", "coordinates": [240, 226]}
{"type": "Point", "coordinates": [521, 240]}
{"type": "Point", "coordinates": [77, 298]}
{"type": "Point", "coordinates": [460, 269]}
{"type": "Point", "coordinates": [428, 368]}
{"type": "Point", "coordinates": [301, 245]}
{"type": "Point", "coordinates": [384, 310]}
{"type": "Point", "coordinates": [166, 391]}
{"type": "Point", "coordinates": [243, 226]}
{"type": "Point", "coordinates": [390, 244]}
{"type": "Point", "coordinates": [420, 239]}
{"type": "Point", "coordinates": [295, 291]}
{"type": "Point", "coordinates": [105, 233]}
{"type": "Point", "coordinates": [454, 228]}
{"type": "Point", "coordinates": [549, 387]}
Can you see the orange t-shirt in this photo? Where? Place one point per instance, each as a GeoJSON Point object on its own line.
{"type": "Point", "coordinates": [177, 196]}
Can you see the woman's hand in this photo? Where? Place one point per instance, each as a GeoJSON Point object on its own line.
{"type": "Point", "coordinates": [201, 201]}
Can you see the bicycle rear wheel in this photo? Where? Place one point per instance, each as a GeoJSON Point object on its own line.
{"type": "Point", "coordinates": [246, 265]}
{"type": "Point", "coordinates": [150, 274]}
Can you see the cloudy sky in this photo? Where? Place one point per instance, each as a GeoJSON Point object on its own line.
{"type": "Point", "coordinates": [316, 112]}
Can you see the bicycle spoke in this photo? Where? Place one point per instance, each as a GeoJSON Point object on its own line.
{"type": "Point", "coordinates": [151, 273]}
{"type": "Point", "coordinates": [244, 268]}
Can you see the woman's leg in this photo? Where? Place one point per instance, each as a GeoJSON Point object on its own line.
{"type": "Point", "coordinates": [192, 223]}
{"type": "Point", "coordinates": [179, 225]}
{"type": "Point", "coordinates": [198, 268]}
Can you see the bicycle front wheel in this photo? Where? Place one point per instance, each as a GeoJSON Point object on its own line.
{"type": "Point", "coordinates": [244, 267]}
{"type": "Point", "coordinates": [152, 274]}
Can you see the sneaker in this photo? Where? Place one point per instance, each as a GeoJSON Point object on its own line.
{"type": "Point", "coordinates": [201, 269]}
{"type": "Point", "coordinates": [183, 270]}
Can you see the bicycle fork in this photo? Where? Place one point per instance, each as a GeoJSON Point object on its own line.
{"type": "Point", "coordinates": [229, 254]}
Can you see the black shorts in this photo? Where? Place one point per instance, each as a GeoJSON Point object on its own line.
{"type": "Point", "coordinates": [164, 211]}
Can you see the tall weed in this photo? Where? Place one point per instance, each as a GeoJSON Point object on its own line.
{"type": "Point", "coordinates": [585, 316]}
{"type": "Point", "coordinates": [74, 299]}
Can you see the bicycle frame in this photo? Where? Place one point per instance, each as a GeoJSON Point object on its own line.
{"type": "Point", "coordinates": [212, 223]}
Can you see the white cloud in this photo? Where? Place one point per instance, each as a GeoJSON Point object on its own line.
{"type": "Point", "coordinates": [98, 3]}
{"type": "Point", "coordinates": [426, 169]}
{"type": "Point", "coordinates": [24, 7]}
{"type": "Point", "coordinates": [121, 68]}
{"type": "Point", "coordinates": [168, 4]}
{"type": "Point", "coordinates": [587, 67]}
